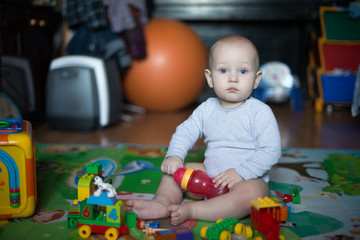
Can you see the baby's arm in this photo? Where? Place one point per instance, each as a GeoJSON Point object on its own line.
{"type": "Point", "coordinates": [171, 164]}
{"type": "Point", "coordinates": [182, 141]}
{"type": "Point", "coordinates": [228, 178]}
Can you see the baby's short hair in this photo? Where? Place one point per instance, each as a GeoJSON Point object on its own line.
{"type": "Point", "coordinates": [234, 39]}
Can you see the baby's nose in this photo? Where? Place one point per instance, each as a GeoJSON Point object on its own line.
{"type": "Point", "coordinates": [233, 77]}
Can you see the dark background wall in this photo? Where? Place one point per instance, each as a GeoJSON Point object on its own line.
{"type": "Point", "coordinates": [279, 28]}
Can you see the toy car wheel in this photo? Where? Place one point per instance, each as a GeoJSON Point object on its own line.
{"type": "Point", "coordinates": [239, 228]}
{"type": "Point", "coordinates": [225, 235]}
{"type": "Point", "coordinates": [248, 232]}
{"type": "Point", "coordinates": [203, 232]}
{"type": "Point", "coordinates": [85, 231]}
{"type": "Point", "coordinates": [112, 234]}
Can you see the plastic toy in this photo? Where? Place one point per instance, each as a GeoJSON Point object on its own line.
{"type": "Point", "coordinates": [197, 182]}
{"type": "Point", "coordinates": [98, 213]}
{"type": "Point", "coordinates": [172, 75]}
{"type": "Point", "coordinates": [266, 218]}
{"type": "Point", "coordinates": [141, 224]}
{"type": "Point", "coordinates": [222, 229]}
{"type": "Point", "coordinates": [278, 85]}
{"type": "Point", "coordinates": [293, 197]}
{"type": "Point", "coordinates": [17, 169]}
{"type": "Point", "coordinates": [175, 234]}
{"type": "Point", "coordinates": [102, 213]}
{"type": "Point", "coordinates": [151, 229]}
{"type": "Point", "coordinates": [101, 187]}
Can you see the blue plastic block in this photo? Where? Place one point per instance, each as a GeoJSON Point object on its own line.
{"type": "Point", "coordinates": [102, 200]}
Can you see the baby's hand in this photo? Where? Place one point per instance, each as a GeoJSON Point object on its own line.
{"type": "Point", "coordinates": [228, 178]}
{"type": "Point", "coordinates": [171, 164]}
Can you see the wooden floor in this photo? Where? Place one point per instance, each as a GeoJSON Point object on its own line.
{"type": "Point", "coordinates": [305, 129]}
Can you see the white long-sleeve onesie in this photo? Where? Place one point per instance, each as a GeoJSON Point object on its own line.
{"type": "Point", "coordinates": [245, 138]}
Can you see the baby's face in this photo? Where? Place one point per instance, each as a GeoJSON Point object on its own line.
{"type": "Point", "coordinates": [233, 72]}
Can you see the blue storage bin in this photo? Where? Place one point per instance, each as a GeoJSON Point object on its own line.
{"type": "Point", "coordinates": [338, 88]}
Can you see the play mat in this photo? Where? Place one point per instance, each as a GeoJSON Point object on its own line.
{"type": "Point", "coordinates": [328, 182]}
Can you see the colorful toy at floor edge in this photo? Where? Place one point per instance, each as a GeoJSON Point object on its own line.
{"type": "Point", "coordinates": [18, 196]}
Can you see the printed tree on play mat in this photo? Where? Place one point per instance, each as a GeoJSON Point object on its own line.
{"type": "Point", "coordinates": [344, 174]}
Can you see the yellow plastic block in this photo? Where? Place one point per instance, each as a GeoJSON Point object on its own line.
{"type": "Point", "coordinates": [264, 203]}
{"type": "Point", "coordinates": [85, 186]}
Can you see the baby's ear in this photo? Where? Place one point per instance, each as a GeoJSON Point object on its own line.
{"type": "Point", "coordinates": [257, 79]}
{"type": "Point", "coordinates": [209, 78]}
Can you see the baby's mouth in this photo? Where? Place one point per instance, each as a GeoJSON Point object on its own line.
{"type": "Point", "coordinates": [232, 89]}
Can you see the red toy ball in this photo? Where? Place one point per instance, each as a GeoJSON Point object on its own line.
{"type": "Point", "coordinates": [172, 75]}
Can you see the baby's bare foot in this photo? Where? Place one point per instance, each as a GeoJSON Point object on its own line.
{"type": "Point", "coordinates": [148, 209]}
{"type": "Point", "coordinates": [180, 213]}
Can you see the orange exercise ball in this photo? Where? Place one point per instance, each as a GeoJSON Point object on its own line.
{"type": "Point", "coordinates": [172, 75]}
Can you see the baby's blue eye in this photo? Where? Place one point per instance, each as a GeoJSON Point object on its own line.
{"type": "Point", "coordinates": [243, 71]}
{"type": "Point", "coordinates": [223, 70]}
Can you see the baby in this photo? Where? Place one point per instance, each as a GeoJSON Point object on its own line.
{"type": "Point", "coordinates": [242, 138]}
